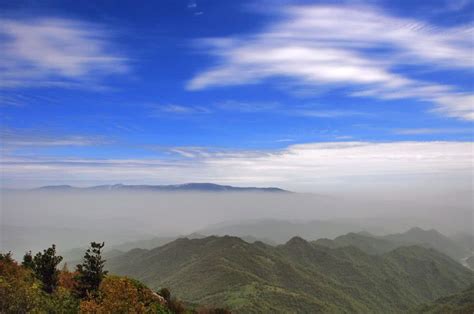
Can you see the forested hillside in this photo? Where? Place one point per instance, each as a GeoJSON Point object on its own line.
{"type": "Point", "coordinates": [298, 276]}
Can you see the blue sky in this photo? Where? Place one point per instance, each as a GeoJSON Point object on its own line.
{"type": "Point", "coordinates": [231, 91]}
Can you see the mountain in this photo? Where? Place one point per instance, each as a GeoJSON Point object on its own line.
{"type": "Point", "coordinates": [462, 302]}
{"type": "Point", "coordinates": [298, 276]}
{"type": "Point", "coordinates": [429, 238]}
{"type": "Point", "coordinates": [365, 242]}
{"type": "Point", "coordinates": [381, 244]}
{"type": "Point", "coordinates": [74, 255]}
{"type": "Point", "coordinates": [188, 187]}
{"type": "Point", "coordinates": [280, 231]}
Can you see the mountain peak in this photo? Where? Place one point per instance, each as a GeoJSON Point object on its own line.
{"type": "Point", "coordinates": [296, 241]}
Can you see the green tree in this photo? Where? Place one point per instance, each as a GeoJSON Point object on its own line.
{"type": "Point", "coordinates": [91, 272]}
{"type": "Point", "coordinates": [28, 261]}
{"type": "Point", "coordinates": [44, 266]}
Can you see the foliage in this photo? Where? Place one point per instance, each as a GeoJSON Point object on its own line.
{"type": "Point", "coordinates": [28, 261]}
{"type": "Point", "coordinates": [44, 265]}
{"type": "Point", "coordinates": [165, 293]}
{"type": "Point", "coordinates": [91, 272]}
{"type": "Point", "coordinates": [122, 295]}
{"type": "Point", "coordinates": [20, 291]}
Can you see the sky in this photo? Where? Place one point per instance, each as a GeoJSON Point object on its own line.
{"type": "Point", "coordinates": [310, 96]}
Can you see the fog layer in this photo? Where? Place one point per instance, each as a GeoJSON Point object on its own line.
{"type": "Point", "coordinates": [33, 220]}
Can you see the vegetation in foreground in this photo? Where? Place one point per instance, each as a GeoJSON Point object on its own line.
{"type": "Point", "coordinates": [38, 286]}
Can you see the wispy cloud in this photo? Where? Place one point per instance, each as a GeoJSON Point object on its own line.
{"type": "Point", "coordinates": [428, 131]}
{"type": "Point", "coordinates": [359, 48]}
{"type": "Point", "coordinates": [56, 52]}
{"type": "Point", "coordinates": [248, 106]}
{"type": "Point", "coordinates": [158, 110]}
{"type": "Point", "coordinates": [325, 113]}
{"type": "Point", "coordinates": [14, 138]}
{"type": "Point", "coordinates": [251, 107]}
{"type": "Point", "coordinates": [302, 166]}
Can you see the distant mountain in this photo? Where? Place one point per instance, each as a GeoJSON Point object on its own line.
{"type": "Point", "coordinates": [74, 255]}
{"type": "Point", "coordinates": [188, 187]}
{"type": "Point", "coordinates": [298, 276]}
{"type": "Point", "coordinates": [368, 243]}
{"type": "Point", "coordinates": [382, 244]}
{"type": "Point", "coordinates": [429, 238]}
{"type": "Point", "coordinates": [280, 231]}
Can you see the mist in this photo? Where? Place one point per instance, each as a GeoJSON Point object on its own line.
{"type": "Point", "coordinates": [32, 220]}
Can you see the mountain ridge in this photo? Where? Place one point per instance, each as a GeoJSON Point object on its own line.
{"type": "Point", "coordinates": [372, 244]}
{"type": "Point", "coordinates": [296, 276]}
{"type": "Point", "coordinates": [186, 187]}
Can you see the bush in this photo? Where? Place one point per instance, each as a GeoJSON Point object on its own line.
{"type": "Point", "coordinates": [20, 291]}
{"type": "Point", "coordinates": [122, 295]}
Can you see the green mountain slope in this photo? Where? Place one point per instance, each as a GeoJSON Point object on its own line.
{"type": "Point", "coordinates": [298, 276]}
{"type": "Point", "coordinates": [462, 302]}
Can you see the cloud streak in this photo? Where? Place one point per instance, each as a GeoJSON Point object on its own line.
{"type": "Point", "coordinates": [358, 48]}
{"type": "Point", "coordinates": [14, 138]}
{"type": "Point", "coordinates": [429, 131]}
{"type": "Point", "coordinates": [56, 52]}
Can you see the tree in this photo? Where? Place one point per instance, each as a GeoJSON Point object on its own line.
{"type": "Point", "coordinates": [91, 272]}
{"type": "Point", "coordinates": [44, 266]}
{"type": "Point", "coordinates": [28, 261]}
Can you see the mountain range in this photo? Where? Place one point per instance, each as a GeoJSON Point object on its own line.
{"type": "Point", "coordinates": [298, 276]}
{"type": "Point", "coordinates": [415, 236]}
{"type": "Point", "coordinates": [187, 187]}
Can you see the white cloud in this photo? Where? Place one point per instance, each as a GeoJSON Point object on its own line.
{"type": "Point", "coordinates": [303, 167]}
{"type": "Point", "coordinates": [55, 52]}
{"type": "Point", "coordinates": [344, 46]}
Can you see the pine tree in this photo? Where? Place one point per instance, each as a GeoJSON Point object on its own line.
{"type": "Point", "coordinates": [91, 272]}
{"type": "Point", "coordinates": [44, 266]}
